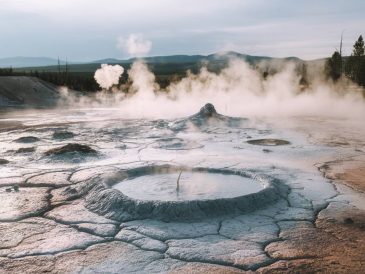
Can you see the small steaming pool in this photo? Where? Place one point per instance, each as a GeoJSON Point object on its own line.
{"type": "Point", "coordinates": [151, 192]}
{"type": "Point", "coordinates": [192, 186]}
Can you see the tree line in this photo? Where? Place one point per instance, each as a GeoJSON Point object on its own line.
{"type": "Point", "coordinates": [352, 66]}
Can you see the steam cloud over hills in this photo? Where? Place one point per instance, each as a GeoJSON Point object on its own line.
{"type": "Point", "coordinates": [238, 90]}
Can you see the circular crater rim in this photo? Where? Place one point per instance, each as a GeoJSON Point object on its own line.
{"type": "Point", "coordinates": [114, 204]}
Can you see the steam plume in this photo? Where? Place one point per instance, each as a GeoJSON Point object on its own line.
{"type": "Point", "coordinates": [108, 75]}
{"type": "Point", "coordinates": [135, 45]}
{"type": "Point", "coordinates": [238, 90]}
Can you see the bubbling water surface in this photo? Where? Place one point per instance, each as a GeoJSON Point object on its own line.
{"type": "Point", "coordinates": [192, 186]}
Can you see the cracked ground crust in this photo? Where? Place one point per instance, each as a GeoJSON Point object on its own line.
{"type": "Point", "coordinates": [305, 238]}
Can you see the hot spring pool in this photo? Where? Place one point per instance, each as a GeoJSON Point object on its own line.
{"type": "Point", "coordinates": [192, 186]}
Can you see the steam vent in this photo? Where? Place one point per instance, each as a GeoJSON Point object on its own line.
{"type": "Point", "coordinates": [208, 110]}
{"type": "Point", "coordinates": [171, 193]}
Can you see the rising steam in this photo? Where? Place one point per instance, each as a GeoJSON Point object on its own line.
{"type": "Point", "coordinates": [238, 90]}
{"type": "Point", "coordinates": [108, 75]}
{"type": "Point", "coordinates": [135, 45]}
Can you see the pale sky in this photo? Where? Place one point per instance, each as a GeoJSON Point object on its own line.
{"type": "Point", "coordinates": [86, 30]}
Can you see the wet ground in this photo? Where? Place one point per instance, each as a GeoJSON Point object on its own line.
{"type": "Point", "coordinates": [54, 217]}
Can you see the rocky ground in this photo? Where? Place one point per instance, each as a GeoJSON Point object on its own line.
{"type": "Point", "coordinates": [23, 91]}
{"type": "Point", "coordinates": [316, 225]}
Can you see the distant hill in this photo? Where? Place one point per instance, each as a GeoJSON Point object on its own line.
{"type": "Point", "coordinates": [80, 76]}
{"type": "Point", "coordinates": [249, 58]}
{"type": "Point", "coordinates": [42, 62]}
{"type": "Point", "coordinates": [173, 64]}
{"type": "Point", "coordinates": [220, 56]}
{"type": "Point", "coordinates": [172, 59]}
{"type": "Point", "coordinates": [157, 59]}
{"type": "Point", "coordinates": [106, 61]}
{"type": "Point", "coordinates": [18, 62]}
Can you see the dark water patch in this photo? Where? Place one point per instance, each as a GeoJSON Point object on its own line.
{"type": "Point", "coordinates": [27, 139]}
{"type": "Point", "coordinates": [62, 135]}
{"type": "Point", "coordinates": [348, 220]}
{"type": "Point", "coordinates": [25, 150]}
{"type": "Point", "coordinates": [122, 147]}
{"type": "Point", "coordinates": [71, 148]}
{"type": "Point", "coordinates": [160, 124]}
{"type": "Point", "coordinates": [268, 142]}
{"type": "Point", "coordinates": [176, 144]}
{"type": "Point", "coordinates": [4, 162]}
{"type": "Point", "coordinates": [264, 131]}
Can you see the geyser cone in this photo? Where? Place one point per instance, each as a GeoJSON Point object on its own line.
{"type": "Point", "coordinates": [208, 110]}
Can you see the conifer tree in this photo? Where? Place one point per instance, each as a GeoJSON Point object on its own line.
{"type": "Point", "coordinates": [355, 66]}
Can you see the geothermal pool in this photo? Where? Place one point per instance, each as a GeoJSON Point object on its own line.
{"type": "Point", "coordinates": [192, 186]}
{"type": "Point", "coordinates": [75, 187]}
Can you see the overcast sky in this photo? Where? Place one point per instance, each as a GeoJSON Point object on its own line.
{"type": "Point", "coordinates": [89, 29]}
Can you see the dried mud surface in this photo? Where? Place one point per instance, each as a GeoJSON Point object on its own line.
{"type": "Point", "coordinates": [317, 225]}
